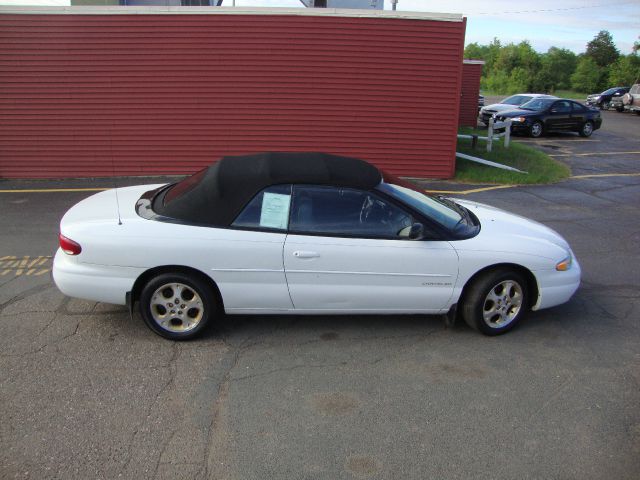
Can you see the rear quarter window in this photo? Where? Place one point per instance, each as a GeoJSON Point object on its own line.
{"type": "Point", "coordinates": [268, 210]}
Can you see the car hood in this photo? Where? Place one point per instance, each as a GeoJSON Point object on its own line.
{"type": "Point", "coordinates": [510, 232]}
{"type": "Point", "coordinates": [518, 112]}
{"type": "Point", "coordinates": [499, 107]}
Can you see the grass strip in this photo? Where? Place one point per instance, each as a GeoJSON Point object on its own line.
{"type": "Point", "coordinates": [540, 167]}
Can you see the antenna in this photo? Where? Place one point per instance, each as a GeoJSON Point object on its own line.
{"type": "Point", "coordinates": [115, 179]}
{"type": "Point", "coordinates": [118, 206]}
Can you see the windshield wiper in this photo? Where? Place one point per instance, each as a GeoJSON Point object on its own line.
{"type": "Point", "coordinates": [450, 203]}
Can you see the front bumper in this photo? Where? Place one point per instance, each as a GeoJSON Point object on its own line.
{"type": "Point", "coordinates": [556, 287]}
{"type": "Point", "coordinates": [485, 117]}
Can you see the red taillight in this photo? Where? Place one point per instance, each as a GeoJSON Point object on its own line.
{"type": "Point", "coordinates": [68, 246]}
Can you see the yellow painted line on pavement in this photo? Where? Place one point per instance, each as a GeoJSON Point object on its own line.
{"type": "Point", "coordinates": [593, 154]}
{"type": "Point", "coordinates": [55, 190]}
{"type": "Point", "coordinates": [459, 192]}
{"type": "Point", "coordinates": [498, 187]}
{"type": "Point", "coordinates": [473, 190]}
{"type": "Point", "coordinates": [26, 265]}
{"type": "Point", "coordinates": [595, 175]}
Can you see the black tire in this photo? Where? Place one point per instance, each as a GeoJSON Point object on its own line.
{"type": "Point", "coordinates": [182, 320]}
{"type": "Point", "coordinates": [587, 129]}
{"type": "Point", "coordinates": [497, 315]}
{"type": "Point", "coordinates": [536, 130]}
{"type": "Point", "coordinates": [620, 109]}
{"type": "Point", "coordinates": [604, 105]}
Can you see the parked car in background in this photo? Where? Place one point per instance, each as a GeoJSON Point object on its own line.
{"type": "Point", "coordinates": [509, 103]}
{"type": "Point", "coordinates": [603, 100]}
{"type": "Point", "coordinates": [542, 115]}
{"type": "Point", "coordinates": [617, 103]}
{"type": "Point", "coordinates": [631, 100]}
{"type": "Point", "coordinates": [307, 233]}
{"type": "Point", "coordinates": [480, 102]}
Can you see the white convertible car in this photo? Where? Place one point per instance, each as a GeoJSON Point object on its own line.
{"type": "Point", "coordinates": [311, 233]}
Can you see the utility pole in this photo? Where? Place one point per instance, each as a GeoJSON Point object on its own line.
{"type": "Point", "coordinates": [393, 4]}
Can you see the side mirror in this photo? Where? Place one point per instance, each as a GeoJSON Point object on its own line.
{"type": "Point", "coordinates": [416, 232]}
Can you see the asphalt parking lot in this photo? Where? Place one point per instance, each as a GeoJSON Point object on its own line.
{"type": "Point", "coordinates": [88, 393]}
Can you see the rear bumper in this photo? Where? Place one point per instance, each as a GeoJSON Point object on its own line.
{"type": "Point", "coordinates": [100, 283]}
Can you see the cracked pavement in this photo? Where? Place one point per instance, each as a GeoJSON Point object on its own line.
{"type": "Point", "coordinates": [87, 392]}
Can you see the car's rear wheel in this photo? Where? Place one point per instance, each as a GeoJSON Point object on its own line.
{"type": "Point", "coordinates": [536, 130]}
{"type": "Point", "coordinates": [495, 302]}
{"type": "Point", "coordinates": [177, 306]}
{"type": "Point", "coordinates": [587, 129]}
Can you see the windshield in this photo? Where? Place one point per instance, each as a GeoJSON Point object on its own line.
{"type": "Point", "coordinates": [516, 100]}
{"type": "Point", "coordinates": [442, 211]}
{"type": "Point", "coordinates": [537, 104]}
{"type": "Point", "coordinates": [610, 91]}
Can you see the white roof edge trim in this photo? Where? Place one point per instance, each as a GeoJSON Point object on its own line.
{"type": "Point", "coordinates": [179, 10]}
{"type": "Point", "coordinates": [474, 62]}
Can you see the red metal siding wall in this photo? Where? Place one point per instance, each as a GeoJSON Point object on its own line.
{"type": "Point", "coordinates": [471, 73]}
{"type": "Point", "coordinates": [94, 95]}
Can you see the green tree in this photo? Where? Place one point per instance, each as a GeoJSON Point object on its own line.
{"type": "Point", "coordinates": [636, 46]}
{"type": "Point", "coordinates": [602, 49]}
{"type": "Point", "coordinates": [626, 71]}
{"type": "Point", "coordinates": [588, 76]}
{"type": "Point", "coordinates": [557, 66]}
{"type": "Point", "coordinates": [519, 63]}
{"type": "Point", "coordinates": [474, 51]}
{"type": "Point", "coordinates": [519, 80]}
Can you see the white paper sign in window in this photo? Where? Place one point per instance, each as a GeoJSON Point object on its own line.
{"type": "Point", "coordinates": [275, 210]}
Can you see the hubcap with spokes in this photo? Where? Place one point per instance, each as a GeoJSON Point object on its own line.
{"type": "Point", "coordinates": [588, 128]}
{"type": "Point", "coordinates": [176, 307]}
{"type": "Point", "coordinates": [536, 130]}
{"type": "Point", "coordinates": [502, 304]}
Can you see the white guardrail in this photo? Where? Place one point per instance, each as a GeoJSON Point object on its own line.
{"type": "Point", "coordinates": [491, 136]}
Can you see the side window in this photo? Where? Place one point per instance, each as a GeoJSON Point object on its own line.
{"type": "Point", "coordinates": [562, 107]}
{"type": "Point", "coordinates": [268, 209]}
{"type": "Point", "coordinates": [345, 211]}
{"type": "Point", "coordinates": [577, 107]}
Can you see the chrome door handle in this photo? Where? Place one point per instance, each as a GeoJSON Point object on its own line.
{"type": "Point", "coordinates": [305, 254]}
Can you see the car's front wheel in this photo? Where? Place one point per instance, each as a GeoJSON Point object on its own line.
{"type": "Point", "coordinates": [177, 306]}
{"type": "Point", "coordinates": [604, 105]}
{"type": "Point", "coordinates": [495, 302]}
{"type": "Point", "coordinates": [536, 130]}
{"type": "Point", "coordinates": [587, 129]}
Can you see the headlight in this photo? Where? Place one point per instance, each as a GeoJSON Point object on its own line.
{"type": "Point", "coordinates": [519, 119]}
{"type": "Point", "coordinates": [565, 263]}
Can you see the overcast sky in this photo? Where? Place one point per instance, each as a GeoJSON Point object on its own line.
{"type": "Point", "coordinates": [561, 23]}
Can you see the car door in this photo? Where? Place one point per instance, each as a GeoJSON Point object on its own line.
{"type": "Point", "coordinates": [559, 116]}
{"type": "Point", "coordinates": [578, 115]}
{"type": "Point", "coordinates": [348, 251]}
{"type": "Point", "coordinates": [250, 274]}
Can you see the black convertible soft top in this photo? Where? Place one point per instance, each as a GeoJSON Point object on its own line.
{"type": "Point", "coordinates": [216, 195]}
